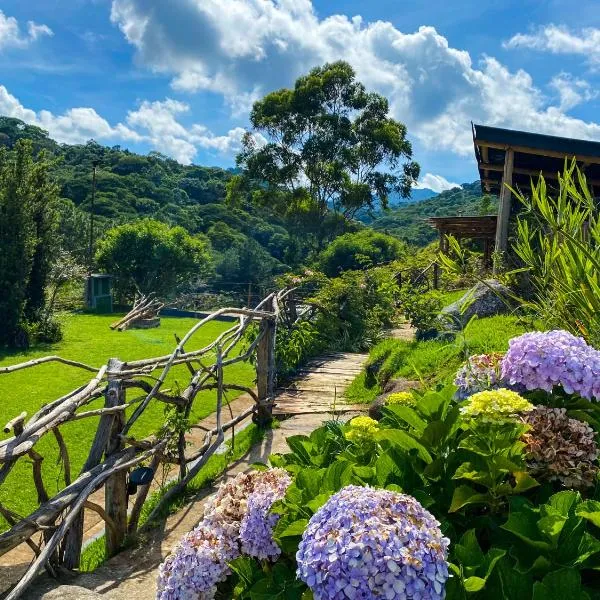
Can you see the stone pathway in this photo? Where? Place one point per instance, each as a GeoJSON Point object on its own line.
{"type": "Point", "coordinates": [311, 398]}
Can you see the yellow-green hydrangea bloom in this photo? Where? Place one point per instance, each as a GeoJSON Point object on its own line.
{"type": "Point", "coordinates": [496, 404]}
{"type": "Point", "coordinates": [401, 398]}
{"type": "Point", "coordinates": [362, 429]}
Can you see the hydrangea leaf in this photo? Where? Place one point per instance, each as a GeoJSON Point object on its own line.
{"type": "Point", "coordinates": [406, 442]}
{"type": "Point", "coordinates": [590, 510]}
{"type": "Point", "coordinates": [560, 585]}
{"type": "Point", "coordinates": [465, 495]}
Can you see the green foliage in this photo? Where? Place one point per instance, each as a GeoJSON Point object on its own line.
{"type": "Point", "coordinates": [558, 240]}
{"type": "Point", "coordinates": [149, 256]}
{"type": "Point", "coordinates": [364, 249]}
{"type": "Point", "coordinates": [433, 361]}
{"type": "Point", "coordinates": [355, 307]}
{"type": "Point", "coordinates": [420, 308]}
{"type": "Point", "coordinates": [337, 139]}
{"type": "Point", "coordinates": [510, 537]}
{"type": "Point", "coordinates": [26, 241]}
{"type": "Point", "coordinates": [407, 221]}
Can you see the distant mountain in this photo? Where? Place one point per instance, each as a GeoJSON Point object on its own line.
{"type": "Point", "coordinates": [416, 195]}
{"type": "Point", "coordinates": [407, 222]}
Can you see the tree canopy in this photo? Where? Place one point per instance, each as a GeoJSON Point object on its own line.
{"type": "Point", "coordinates": [331, 146]}
{"type": "Point", "coordinates": [149, 256]}
{"type": "Point", "coordinates": [359, 250]}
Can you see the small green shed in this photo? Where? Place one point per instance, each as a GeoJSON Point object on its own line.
{"type": "Point", "coordinates": [99, 292]}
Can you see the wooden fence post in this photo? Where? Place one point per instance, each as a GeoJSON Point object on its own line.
{"type": "Point", "coordinates": [265, 368]}
{"type": "Point", "coordinates": [115, 491]}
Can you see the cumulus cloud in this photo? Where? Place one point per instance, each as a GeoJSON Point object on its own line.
{"type": "Point", "coordinates": [437, 183]}
{"type": "Point", "coordinates": [11, 34]}
{"type": "Point", "coordinates": [558, 39]}
{"type": "Point", "coordinates": [244, 48]}
{"type": "Point", "coordinates": [76, 125]}
{"type": "Point", "coordinates": [154, 123]}
{"type": "Point", "coordinates": [571, 90]}
{"type": "Point", "coordinates": [167, 134]}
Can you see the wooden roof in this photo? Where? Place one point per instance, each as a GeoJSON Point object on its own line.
{"type": "Point", "coordinates": [534, 153]}
{"type": "Point", "coordinates": [477, 227]}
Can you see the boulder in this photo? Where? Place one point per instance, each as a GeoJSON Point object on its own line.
{"type": "Point", "coordinates": [391, 387]}
{"type": "Point", "coordinates": [487, 298]}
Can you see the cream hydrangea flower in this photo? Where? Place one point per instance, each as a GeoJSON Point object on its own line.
{"type": "Point", "coordinates": [362, 429]}
{"type": "Point", "coordinates": [496, 405]}
{"type": "Point", "coordinates": [401, 398]}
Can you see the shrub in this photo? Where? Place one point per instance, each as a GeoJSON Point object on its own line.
{"type": "Point", "coordinates": [360, 250]}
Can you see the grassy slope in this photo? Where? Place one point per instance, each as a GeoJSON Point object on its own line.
{"type": "Point", "coordinates": [434, 362]}
{"type": "Point", "coordinates": [88, 338]}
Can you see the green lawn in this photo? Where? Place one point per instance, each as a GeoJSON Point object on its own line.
{"type": "Point", "coordinates": [434, 361]}
{"type": "Point", "coordinates": [89, 339]}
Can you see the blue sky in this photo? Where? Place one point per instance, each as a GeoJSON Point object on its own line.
{"type": "Point", "coordinates": [179, 76]}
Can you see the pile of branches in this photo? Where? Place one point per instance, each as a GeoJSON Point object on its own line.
{"type": "Point", "coordinates": [144, 307]}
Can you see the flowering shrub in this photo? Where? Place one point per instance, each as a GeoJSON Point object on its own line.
{"type": "Point", "coordinates": [362, 429]}
{"type": "Point", "coordinates": [480, 372]}
{"type": "Point", "coordinates": [544, 360]}
{"type": "Point", "coordinates": [235, 520]}
{"type": "Point", "coordinates": [559, 448]}
{"type": "Point", "coordinates": [495, 405]}
{"type": "Point", "coordinates": [368, 543]}
{"type": "Point", "coordinates": [401, 399]}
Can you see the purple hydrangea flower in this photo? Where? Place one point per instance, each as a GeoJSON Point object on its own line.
{"type": "Point", "coordinates": [197, 564]}
{"type": "Point", "coordinates": [543, 360]}
{"type": "Point", "coordinates": [480, 372]}
{"type": "Point", "coordinates": [368, 543]}
{"type": "Point", "coordinates": [236, 519]}
{"type": "Point", "coordinates": [256, 529]}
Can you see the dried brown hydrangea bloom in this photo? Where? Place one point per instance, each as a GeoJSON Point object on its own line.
{"type": "Point", "coordinates": [559, 448]}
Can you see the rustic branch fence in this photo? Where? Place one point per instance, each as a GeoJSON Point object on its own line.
{"type": "Point", "coordinates": [114, 452]}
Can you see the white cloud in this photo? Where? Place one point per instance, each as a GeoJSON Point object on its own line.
{"type": "Point", "coordinates": [558, 39]}
{"type": "Point", "coordinates": [245, 48]}
{"type": "Point", "coordinates": [572, 90]}
{"type": "Point", "coordinates": [166, 134]}
{"type": "Point", "coordinates": [76, 125]}
{"type": "Point", "coordinates": [437, 183]}
{"type": "Point", "coordinates": [154, 123]}
{"type": "Point", "coordinates": [12, 36]}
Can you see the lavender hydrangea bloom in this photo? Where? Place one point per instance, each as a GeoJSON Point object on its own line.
{"type": "Point", "coordinates": [369, 543]}
{"type": "Point", "coordinates": [236, 519]}
{"type": "Point", "coordinates": [256, 529]}
{"type": "Point", "coordinates": [197, 564]}
{"type": "Point", "coordinates": [544, 360]}
{"type": "Point", "coordinates": [480, 372]}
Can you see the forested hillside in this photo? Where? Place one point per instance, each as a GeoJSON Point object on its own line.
{"type": "Point", "coordinates": [250, 242]}
{"type": "Point", "coordinates": [408, 222]}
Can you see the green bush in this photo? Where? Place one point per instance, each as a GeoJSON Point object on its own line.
{"type": "Point", "coordinates": [360, 250]}
{"type": "Point", "coordinates": [558, 242]}
{"type": "Point", "coordinates": [510, 536]}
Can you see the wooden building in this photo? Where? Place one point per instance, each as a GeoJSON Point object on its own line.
{"type": "Point", "coordinates": [518, 157]}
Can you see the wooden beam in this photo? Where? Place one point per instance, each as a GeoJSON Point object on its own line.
{"type": "Point", "coordinates": [505, 202]}
{"type": "Point", "coordinates": [531, 172]}
{"type": "Point", "coordinates": [539, 151]}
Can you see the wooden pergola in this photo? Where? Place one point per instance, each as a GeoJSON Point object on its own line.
{"type": "Point", "coordinates": [473, 227]}
{"type": "Point", "coordinates": [505, 156]}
